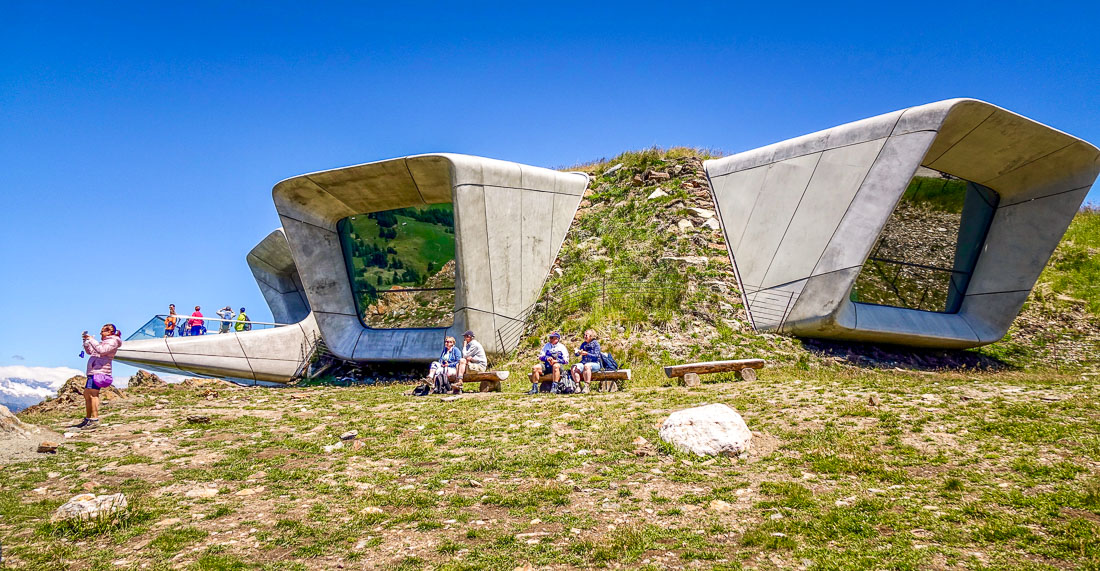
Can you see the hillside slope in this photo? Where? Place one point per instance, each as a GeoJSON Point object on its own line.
{"type": "Point", "coordinates": [641, 266]}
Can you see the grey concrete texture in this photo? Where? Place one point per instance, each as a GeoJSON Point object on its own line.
{"type": "Point", "coordinates": [801, 216]}
{"type": "Point", "coordinates": [278, 279]}
{"type": "Point", "coordinates": [510, 220]}
{"type": "Point", "coordinates": [262, 354]}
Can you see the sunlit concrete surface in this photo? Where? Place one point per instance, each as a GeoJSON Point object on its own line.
{"type": "Point", "coordinates": [801, 216]}
{"type": "Point", "coordinates": [510, 222]}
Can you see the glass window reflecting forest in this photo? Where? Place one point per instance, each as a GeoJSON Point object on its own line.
{"type": "Point", "coordinates": [402, 266]}
{"type": "Point", "coordinates": [927, 250]}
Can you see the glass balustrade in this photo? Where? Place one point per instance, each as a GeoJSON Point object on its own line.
{"type": "Point", "coordinates": [154, 328]}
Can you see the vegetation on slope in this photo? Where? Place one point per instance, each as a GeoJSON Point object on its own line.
{"type": "Point", "coordinates": [681, 301]}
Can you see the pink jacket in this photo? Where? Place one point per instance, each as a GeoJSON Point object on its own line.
{"type": "Point", "coordinates": [100, 354]}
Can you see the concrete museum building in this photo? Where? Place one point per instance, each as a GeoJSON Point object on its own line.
{"type": "Point", "coordinates": [927, 226]}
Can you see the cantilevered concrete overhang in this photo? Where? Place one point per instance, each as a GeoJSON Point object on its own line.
{"type": "Point", "coordinates": [510, 221]}
{"type": "Point", "coordinates": [801, 216]}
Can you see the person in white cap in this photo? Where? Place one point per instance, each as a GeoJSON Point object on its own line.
{"type": "Point", "coordinates": [473, 358]}
{"type": "Point", "coordinates": [554, 359]}
{"type": "Point", "coordinates": [226, 313]}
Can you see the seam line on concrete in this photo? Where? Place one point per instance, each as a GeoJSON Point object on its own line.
{"type": "Point", "coordinates": [794, 213]}
{"type": "Point", "coordinates": [997, 292]}
{"type": "Point", "coordinates": [878, 156]}
{"type": "Point", "coordinates": [307, 223]}
{"type": "Point", "coordinates": [756, 199]}
{"type": "Point", "coordinates": [1044, 196]}
{"type": "Point", "coordinates": [968, 326]}
{"type": "Point", "coordinates": [405, 161]}
{"type": "Point", "coordinates": [1032, 161]}
{"type": "Point", "coordinates": [956, 143]}
{"type": "Point", "coordinates": [337, 313]}
{"type": "Point", "coordinates": [333, 196]}
{"type": "Point", "coordinates": [488, 255]}
{"type": "Point", "coordinates": [769, 288]}
{"type": "Point", "coordinates": [812, 152]}
{"type": "Point", "coordinates": [516, 188]}
{"type": "Point", "coordinates": [245, 353]}
{"type": "Point", "coordinates": [729, 250]}
{"type": "Point", "coordinates": [273, 288]}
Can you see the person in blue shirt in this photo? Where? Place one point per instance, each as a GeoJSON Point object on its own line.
{"type": "Point", "coordinates": [589, 352]}
{"type": "Point", "coordinates": [444, 369]}
{"type": "Point", "coordinates": [553, 359]}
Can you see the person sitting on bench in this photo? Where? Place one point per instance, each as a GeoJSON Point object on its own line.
{"type": "Point", "coordinates": [589, 352]}
{"type": "Point", "coordinates": [554, 358]}
{"type": "Point", "coordinates": [442, 370]}
{"type": "Point", "coordinates": [473, 357]}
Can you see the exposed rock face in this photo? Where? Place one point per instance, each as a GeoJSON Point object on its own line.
{"type": "Point", "coordinates": [711, 430]}
{"type": "Point", "coordinates": [12, 427]}
{"type": "Point", "coordinates": [89, 506]}
{"type": "Point", "coordinates": [71, 395]}
{"type": "Point", "coordinates": [144, 380]}
{"type": "Point", "coordinates": [195, 383]}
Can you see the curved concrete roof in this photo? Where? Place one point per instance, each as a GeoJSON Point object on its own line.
{"type": "Point", "coordinates": [801, 217]}
{"type": "Point", "coordinates": [277, 275]}
{"type": "Point", "coordinates": [510, 221]}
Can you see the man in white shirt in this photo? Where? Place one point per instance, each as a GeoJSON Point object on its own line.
{"type": "Point", "coordinates": [554, 358]}
{"type": "Point", "coordinates": [473, 357]}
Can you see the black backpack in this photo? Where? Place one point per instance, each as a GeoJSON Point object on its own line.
{"type": "Point", "coordinates": [607, 362]}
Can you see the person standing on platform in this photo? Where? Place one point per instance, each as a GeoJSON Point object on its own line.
{"type": "Point", "coordinates": [195, 322]}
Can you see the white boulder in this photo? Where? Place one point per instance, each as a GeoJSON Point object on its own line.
{"type": "Point", "coordinates": [89, 506]}
{"type": "Point", "coordinates": [711, 430]}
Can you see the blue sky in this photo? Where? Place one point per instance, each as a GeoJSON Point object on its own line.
{"type": "Point", "coordinates": [139, 141]}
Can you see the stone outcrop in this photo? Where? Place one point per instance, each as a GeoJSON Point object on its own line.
{"type": "Point", "coordinates": [12, 427]}
{"type": "Point", "coordinates": [711, 430]}
{"type": "Point", "coordinates": [144, 380]}
{"type": "Point", "coordinates": [71, 395]}
{"type": "Point", "coordinates": [89, 506]}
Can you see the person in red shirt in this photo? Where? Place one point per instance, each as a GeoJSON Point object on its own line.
{"type": "Point", "coordinates": [196, 322]}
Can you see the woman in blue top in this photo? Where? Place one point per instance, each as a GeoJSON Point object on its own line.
{"type": "Point", "coordinates": [443, 369]}
{"type": "Point", "coordinates": [589, 352]}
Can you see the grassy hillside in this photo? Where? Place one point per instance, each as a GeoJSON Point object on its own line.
{"type": "Point", "coordinates": [945, 470]}
{"type": "Point", "coordinates": [673, 294]}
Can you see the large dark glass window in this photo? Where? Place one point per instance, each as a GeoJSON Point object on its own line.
{"type": "Point", "coordinates": [927, 250]}
{"type": "Point", "coordinates": [402, 266]}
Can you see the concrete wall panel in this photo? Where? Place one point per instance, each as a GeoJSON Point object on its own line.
{"type": "Point", "coordinates": [783, 187]}
{"type": "Point", "coordinates": [472, 249]}
{"type": "Point", "coordinates": [735, 194]}
{"type": "Point", "coordinates": [874, 201]}
{"type": "Point", "coordinates": [536, 220]}
{"type": "Point", "coordinates": [1021, 239]}
{"type": "Point", "coordinates": [808, 241]}
{"type": "Point", "coordinates": [835, 181]}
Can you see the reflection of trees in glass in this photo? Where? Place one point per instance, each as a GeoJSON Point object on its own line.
{"type": "Point", "coordinates": [928, 247]}
{"type": "Point", "coordinates": [408, 250]}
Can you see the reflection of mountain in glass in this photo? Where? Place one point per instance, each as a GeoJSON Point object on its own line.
{"type": "Point", "coordinates": [928, 248]}
{"type": "Point", "coordinates": [401, 264]}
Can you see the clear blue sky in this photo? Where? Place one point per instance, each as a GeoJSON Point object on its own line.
{"type": "Point", "coordinates": [139, 141]}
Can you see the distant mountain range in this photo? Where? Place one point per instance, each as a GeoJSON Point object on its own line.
{"type": "Point", "coordinates": [21, 387]}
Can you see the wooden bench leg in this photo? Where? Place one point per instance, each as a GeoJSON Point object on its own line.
{"type": "Point", "coordinates": [747, 374]}
{"type": "Point", "coordinates": [489, 387]}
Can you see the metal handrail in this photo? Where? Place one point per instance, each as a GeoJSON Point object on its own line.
{"type": "Point", "coordinates": [205, 318]}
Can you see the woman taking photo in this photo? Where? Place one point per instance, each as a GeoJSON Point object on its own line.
{"type": "Point", "coordinates": [98, 371]}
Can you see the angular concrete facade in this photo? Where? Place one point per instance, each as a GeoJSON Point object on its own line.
{"type": "Point", "coordinates": [801, 216]}
{"type": "Point", "coordinates": [510, 221]}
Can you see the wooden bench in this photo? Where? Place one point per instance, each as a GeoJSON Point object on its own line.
{"type": "Point", "coordinates": [489, 380]}
{"type": "Point", "coordinates": [604, 381]}
{"type": "Point", "coordinates": [745, 369]}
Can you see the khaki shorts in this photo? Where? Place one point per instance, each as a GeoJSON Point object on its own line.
{"type": "Point", "coordinates": [475, 367]}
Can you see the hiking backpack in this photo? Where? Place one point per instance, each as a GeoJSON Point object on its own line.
{"type": "Point", "coordinates": [607, 362]}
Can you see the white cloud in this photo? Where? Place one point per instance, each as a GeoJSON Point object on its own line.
{"type": "Point", "coordinates": [52, 376]}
